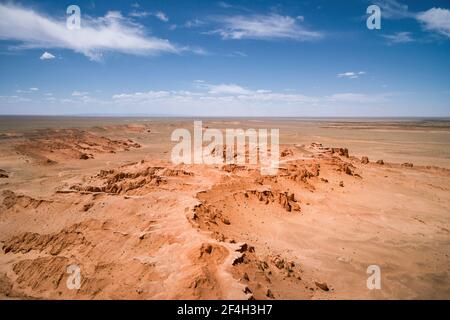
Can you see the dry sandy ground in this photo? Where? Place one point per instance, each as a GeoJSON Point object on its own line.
{"type": "Point", "coordinates": [106, 197]}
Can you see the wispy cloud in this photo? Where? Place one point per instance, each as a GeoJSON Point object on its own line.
{"type": "Point", "coordinates": [142, 14]}
{"type": "Point", "coordinates": [234, 94]}
{"type": "Point", "coordinates": [351, 74]}
{"type": "Point", "coordinates": [79, 94]}
{"type": "Point", "coordinates": [139, 14]}
{"type": "Point", "coordinates": [357, 98]}
{"type": "Point", "coordinates": [162, 16]}
{"type": "Point", "coordinates": [228, 89]}
{"type": "Point", "coordinates": [14, 99]}
{"type": "Point", "coordinates": [224, 4]}
{"type": "Point", "coordinates": [142, 96]}
{"type": "Point", "coordinates": [214, 93]}
{"type": "Point", "coordinates": [204, 98]}
{"type": "Point", "coordinates": [30, 90]}
{"type": "Point", "coordinates": [264, 27]}
{"type": "Point", "coordinates": [393, 9]}
{"type": "Point", "coordinates": [111, 33]}
{"type": "Point", "coordinates": [399, 37]}
{"type": "Point", "coordinates": [194, 23]}
{"type": "Point", "coordinates": [236, 54]}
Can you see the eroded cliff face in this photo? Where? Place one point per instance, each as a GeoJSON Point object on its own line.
{"type": "Point", "coordinates": [152, 230]}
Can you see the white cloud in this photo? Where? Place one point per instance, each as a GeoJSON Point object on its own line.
{"type": "Point", "coordinates": [9, 97]}
{"type": "Point", "coordinates": [67, 101]}
{"type": "Point", "coordinates": [31, 90]}
{"type": "Point", "coordinates": [275, 98]}
{"type": "Point", "coordinates": [112, 33]}
{"type": "Point", "coordinates": [47, 56]}
{"type": "Point", "coordinates": [399, 37]}
{"type": "Point", "coordinates": [236, 97]}
{"type": "Point", "coordinates": [223, 4]}
{"type": "Point", "coordinates": [194, 23]}
{"type": "Point", "coordinates": [79, 94]}
{"type": "Point", "coordinates": [235, 54]}
{"type": "Point", "coordinates": [139, 96]}
{"type": "Point", "coordinates": [346, 74]}
{"type": "Point", "coordinates": [142, 14]}
{"type": "Point", "coordinates": [228, 89]}
{"type": "Point", "coordinates": [226, 5]}
{"type": "Point", "coordinates": [393, 9]}
{"type": "Point", "coordinates": [436, 19]}
{"type": "Point", "coordinates": [218, 95]}
{"type": "Point", "coordinates": [214, 99]}
{"type": "Point", "coordinates": [139, 14]}
{"type": "Point", "coordinates": [162, 16]}
{"type": "Point", "coordinates": [351, 74]}
{"type": "Point", "coordinates": [356, 98]}
{"type": "Point", "coordinates": [15, 99]}
{"type": "Point", "coordinates": [266, 27]}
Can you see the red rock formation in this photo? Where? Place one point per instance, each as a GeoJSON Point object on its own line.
{"type": "Point", "coordinates": [341, 151]}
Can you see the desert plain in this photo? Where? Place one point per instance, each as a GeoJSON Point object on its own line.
{"type": "Point", "coordinates": [103, 194]}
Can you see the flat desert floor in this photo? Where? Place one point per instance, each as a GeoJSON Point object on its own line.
{"type": "Point", "coordinates": [101, 194]}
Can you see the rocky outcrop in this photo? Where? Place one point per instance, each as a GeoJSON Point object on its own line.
{"type": "Point", "coordinates": [302, 173]}
{"type": "Point", "coordinates": [49, 146]}
{"type": "Point", "coordinates": [322, 285]}
{"type": "Point", "coordinates": [12, 199]}
{"type": "Point", "coordinates": [285, 199]}
{"type": "Point", "coordinates": [340, 151]}
{"type": "Point", "coordinates": [288, 202]}
{"type": "Point", "coordinates": [53, 244]}
{"type": "Point", "coordinates": [121, 181]}
{"type": "Point", "coordinates": [407, 164]}
{"type": "Point", "coordinates": [176, 173]}
{"type": "Point", "coordinates": [347, 168]}
{"type": "Point", "coordinates": [232, 168]}
{"type": "Point", "coordinates": [286, 153]}
{"type": "Point", "coordinates": [3, 174]}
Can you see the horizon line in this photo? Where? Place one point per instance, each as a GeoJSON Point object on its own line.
{"type": "Point", "coordinates": [136, 115]}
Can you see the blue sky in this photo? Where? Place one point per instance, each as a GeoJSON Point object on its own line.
{"type": "Point", "coordinates": [226, 58]}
